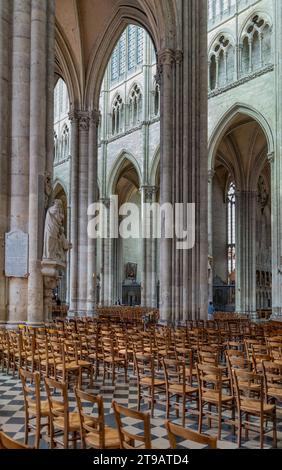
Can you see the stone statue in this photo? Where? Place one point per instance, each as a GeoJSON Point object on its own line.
{"type": "Point", "coordinates": [64, 246]}
{"type": "Point", "coordinates": [53, 231]}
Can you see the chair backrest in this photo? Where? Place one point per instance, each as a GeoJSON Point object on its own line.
{"type": "Point", "coordinates": [89, 422]}
{"type": "Point", "coordinates": [31, 389]}
{"type": "Point", "coordinates": [127, 439]}
{"type": "Point", "coordinates": [51, 386]}
{"type": "Point", "coordinates": [7, 442]}
{"type": "Point", "coordinates": [272, 375]}
{"type": "Point", "coordinates": [174, 431]}
{"type": "Point", "coordinates": [209, 376]}
{"type": "Point", "coordinates": [144, 366]}
{"type": "Point", "coordinates": [245, 383]}
{"type": "Point", "coordinates": [175, 372]}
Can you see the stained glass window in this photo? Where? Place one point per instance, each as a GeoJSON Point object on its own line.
{"type": "Point", "coordinates": [122, 54]}
{"type": "Point", "coordinates": [140, 45]}
{"type": "Point", "coordinates": [131, 46]}
{"type": "Point", "coordinates": [114, 64]}
{"type": "Point", "coordinates": [128, 53]}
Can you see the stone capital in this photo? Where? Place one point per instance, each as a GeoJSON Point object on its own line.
{"type": "Point", "coordinates": [83, 117]}
{"type": "Point", "coordinates": [95, 117]}
{"type": "Point", "coordinates": [178, 56]}
{"type": "Point", "coordinates": [106, 201]}
{"type": "Point", "coordinates": [166, 57]}
{"type": "Point", "coordinates": [158, 76]}
{"type": "Point", "coordinates": [148, 192]}
{"type": "Point", "coordinates": [73, 116]}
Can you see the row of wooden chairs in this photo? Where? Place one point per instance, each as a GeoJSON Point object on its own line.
{"type": "Point", "coordinates": [153, 370]}
{"type": "Point", "coordinates": [88, 423]}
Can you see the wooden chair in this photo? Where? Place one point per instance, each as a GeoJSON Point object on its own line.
{"type": "Point", "coordinates": [273, 383]}
{"type": "Point", "coordinates": [175, 431]}
{"type": "Point", "coordinates": [35, 408]}
{"type": "Point", "coordinates": [148, 385]}
{"type": "Point", "coordinates": [249, 404]}
{"type": "Point", "coordinates": [176, 386]}
{"type": "Point", "coordinates": [7, 442]}
{"type": "Point", "coordinates": [93, 431]}
{"type": "Point", "coordinates": [66, 368]}
{"type": "Point", "coordinates": [127, 439]}
{"type": "Point", "coordinates": [61, 420]}
{"type": "Point", "coordinates": [211, 394]}
{"type": "Point", "coordinates": [111, 359]}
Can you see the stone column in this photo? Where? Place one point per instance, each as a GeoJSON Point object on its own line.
{"type": "Point", "coordinates": [246, 203]}
{"type": "Point", "coordinates": [276, 216]}
{"type": "Point", "coordinates": [5, 77]}
{"type": "Point", "coordinates": [37, 146]}
{"type": "Point", "coordinates": [184, 273]}
{"type": "Point", "coordinates": [73, 212]}
{"type": "Point", "coordinates": [19, 144]}
{"type": "Point", "coordinates": [107, 268]}
{"type": "Point", "coordinates": [92, 197]}
{"type": "Point", "coordinates": [210, 233]}
{"type": "Point", "coordinates": [82, 219]}
{"type": "Point", "coordinates": [276, 177]}
{"type": "Point", "coordinates": [149, 275]}
{"type": "Point", "coordinates": [166, 62]}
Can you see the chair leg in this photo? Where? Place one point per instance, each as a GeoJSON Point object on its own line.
{"type": "Point", "coordinates": [261, 431]}
{"type": "Point", "coordinates": [274, 430]}
{"type": "Point", "coordinates": [26, 429]}
{"type": "Point", "coordinates": [167, 405]}
{"type": "Point", "coordinates": [139, 398]}
{"type": "Point", "coordinates": [239, 429]}
{"type": "Point", "coordinates": [200, 416]}
{"type": "Point", "coordinates": [183, 410]}
{"type": "Point", "coordinates": [247, 427]}
{"type": "Point", "coordinates": [37, 434]}
{"type": "Point", "coordinates": [219, 422]}
{"type": "Point", "coordinates": [152, 401]}
{"type": "Point", "coordinates": [52, 443]}
{"type": "Point", "coordinates": [66, 440]}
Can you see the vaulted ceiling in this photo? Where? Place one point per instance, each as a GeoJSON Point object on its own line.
{"type": "Point", "coordinates": [242, 152]}
{"type": "Point", "coordinates": [87, 30]}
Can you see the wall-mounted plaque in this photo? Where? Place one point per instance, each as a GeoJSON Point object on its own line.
{"type": "Point", "coordinates": [16, 254]}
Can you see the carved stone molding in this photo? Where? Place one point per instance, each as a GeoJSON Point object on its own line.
{"type": "Point", "coordinates": [211, 174]}
{"type": "Point", "coordinates": [270, 157]}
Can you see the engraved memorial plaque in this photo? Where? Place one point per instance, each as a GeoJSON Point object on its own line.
{"type": "Point", "coordinates": [16, 254]}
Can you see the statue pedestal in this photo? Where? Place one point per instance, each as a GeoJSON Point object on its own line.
{"type": "Point", "coordinates": [50, 270]}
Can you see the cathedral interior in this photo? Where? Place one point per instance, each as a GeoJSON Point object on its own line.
{"type": "Point", "coordinates": [110, 109]}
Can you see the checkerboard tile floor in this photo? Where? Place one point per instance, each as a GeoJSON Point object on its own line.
{"type": "Point", "coordinates": [12, 415]}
